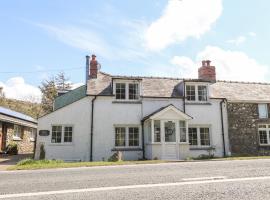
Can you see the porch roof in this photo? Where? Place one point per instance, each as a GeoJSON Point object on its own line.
{"type": "Point", "coordinates": [164, 108]}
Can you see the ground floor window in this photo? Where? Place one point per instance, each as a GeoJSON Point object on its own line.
{"type": "Point", "coordinates": [199, 136]}
{"type": "Point", "coordinates": [62, 134]}
{"type": "Point", "coordinates": [127, 136]}
{"type": "Point", "coordinates": [17, 132]}
{"type": "Point", "coordinates": [264, 131]}
{"type": "Point", "coordinates": [33, 133]}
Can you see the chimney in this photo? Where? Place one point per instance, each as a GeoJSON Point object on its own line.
{"type": "Point", "coordinates": [207, 72]}
{"type": "Point", "coordinates": [94, 65]}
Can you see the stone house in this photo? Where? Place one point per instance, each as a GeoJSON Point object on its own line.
{"type": "Point", "coordinates": [17, 128]}
{"type": "Point", "coordinates": [156, 117]}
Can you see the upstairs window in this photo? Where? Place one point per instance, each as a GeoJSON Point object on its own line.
{"type": "Point", "coordinates": [197, 93]}
{"type": "Point", "coordinates": [190, 92]}
{"type": "Point", "coordinates": [120, 91]}
{"type": "Point", "coordinates": [263, 111]}
{"type": "Point", "coordinates": [127, 91]}
{"type": "Point", "coordinates": [133, 91]}
{"type": "Point", "coordinates": [202, 93]}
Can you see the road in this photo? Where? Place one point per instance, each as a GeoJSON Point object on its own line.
{"type": "Point", "coordinates": [243, 179]}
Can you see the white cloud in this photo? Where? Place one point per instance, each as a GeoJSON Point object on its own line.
{"type": "Point", "coordinates": [237, 41]}
{"type": "Point", "coordinates": [182, 19]}
{"type": "Point", "coordinates": [230, 65]}
{"type": "Point", "coordinates": [16, 88]}
{"type": "Point", "coordinates": [253, 34]}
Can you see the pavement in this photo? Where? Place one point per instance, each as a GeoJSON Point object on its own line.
{"type": "Point", "coordinates": [237, 179]}
{"type": "Point", "coordinates": [10, 160]}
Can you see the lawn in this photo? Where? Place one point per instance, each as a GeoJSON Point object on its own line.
{"type": "Point", "coordinates": [27, 164]}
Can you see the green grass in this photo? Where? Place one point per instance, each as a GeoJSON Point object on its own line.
{"type": "Point", "coordinates": [27, 164]}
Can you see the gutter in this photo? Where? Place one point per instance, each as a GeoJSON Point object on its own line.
{"type": "Point", "coordinates": [92, 128]}
{"type": "Point", "coordinates": [222, 126]}
{"type": "Point", "coordinates": [184, 99]}
{"type": "Point", "coordinates": [143, 148]}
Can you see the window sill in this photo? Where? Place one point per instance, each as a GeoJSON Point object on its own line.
{"type": "Point", "coordinates": [127, 149]}
{"type": "Point", "coordinates": [17, 139]}
{"type": "Point", "coordinates": [200, 148]}
{"type": "Point", "coordinates": [264, 145]}
{"type": "Point", "coordinates": [128, 101]}
{"type": "Point", "coordinates": [197, 103]}
{"type": "Point", "coordinates": [32, 140]}
{"type": "Point", "coordinates": [61, 144]}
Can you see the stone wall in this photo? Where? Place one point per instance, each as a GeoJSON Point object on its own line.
{"type": "Point", "coordinates": [25, 144]}
{"type": "Point", "coordinates": [243, 121]}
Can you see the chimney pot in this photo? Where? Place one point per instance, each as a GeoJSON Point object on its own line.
{"type": "Point", "coordinates": [207, 72]}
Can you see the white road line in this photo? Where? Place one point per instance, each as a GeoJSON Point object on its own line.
{"type": "Point", "coordinates": [130, 187]}
{"type": "Point", "coordinates": [204, 178]}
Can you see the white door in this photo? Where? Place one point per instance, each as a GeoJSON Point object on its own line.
{"type": "Point", "coordinates": [169, 147]}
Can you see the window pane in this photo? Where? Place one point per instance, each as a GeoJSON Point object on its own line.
{"type": "Point", "coordinates": [190, 92]}
{"type": "Point", "coordinates": [170, 131]}
{"type": "Point", "coordinates": [120, 136]}
{"type": "Point", "coordinates": [192, 134]}
{"type": "Point", "coordinates": [262, 125]}
{"type": "Point", "coordinates": [183, 134]}
{"type": "Point", "coordinates": [120, 90]}
{"type": "Point", "coordinates": [263, 137]}
{"type": "Point", "coordinates": [263, 111]}
{"type": "Point", "coordinates": [133, 136]}
{"type": "Point", "coordinates": [56, 134]}
{"type": "Point", "coordinates": [133, 91]}
{"type": "Point", "coordinates": [17, 131]}
{"type": "Point", "coordinates": [205, 136]}
{"type": "Point", "coordinates": [202, 93]}
{"type": "Point", "coordinates": [157, 131]}
{"type": "Point", "coordinates": [68, 134]}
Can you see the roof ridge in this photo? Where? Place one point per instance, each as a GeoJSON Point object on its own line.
{"type": "Point", "coordinates": [244, 82]}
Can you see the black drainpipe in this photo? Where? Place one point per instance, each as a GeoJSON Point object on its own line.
{"type": "Point", "coordinates": [184, 99]}
{"type": "Point", "coordinates": [143, 149]}
{"type": "Point", "coordinates": [92, 128]}
{"type": "Point", "coordinates": [222, 127]}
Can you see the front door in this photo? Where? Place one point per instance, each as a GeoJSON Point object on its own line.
{"type": "Point", "coordinates": [169, 147]}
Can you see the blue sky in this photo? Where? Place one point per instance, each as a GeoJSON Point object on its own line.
{"type": "Point", "coordinates": [159, 38]}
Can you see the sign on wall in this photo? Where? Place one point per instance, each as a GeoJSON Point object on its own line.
{"type": "Point", "coordinates": [44, 132]}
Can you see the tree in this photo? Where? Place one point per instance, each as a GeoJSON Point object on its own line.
{"type": "Point", "coordinates": [49, 93]}
{"type": "Point", "coordinates": [62, 82]}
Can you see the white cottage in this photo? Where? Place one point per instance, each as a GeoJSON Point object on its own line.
{"type": "Point", "coordinates": [143, 117]}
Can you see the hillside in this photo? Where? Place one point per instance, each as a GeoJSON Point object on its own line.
{"type": "Point", "coordinates": [32, 109]}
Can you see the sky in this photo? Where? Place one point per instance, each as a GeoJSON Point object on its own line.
{"type": "Point", "coordinates": [38, 39]}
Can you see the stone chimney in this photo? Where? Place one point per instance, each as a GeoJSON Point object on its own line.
{"type": "Point", "coordinates": [207, 72]}
{"type": "Point", "coordinates": [92, 67]}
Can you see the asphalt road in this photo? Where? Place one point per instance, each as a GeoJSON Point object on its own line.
{"type": "Point", "coordinates": [247, 179]}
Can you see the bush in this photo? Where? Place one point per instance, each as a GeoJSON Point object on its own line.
{"type": "Point", "coordinates": [12, 149]}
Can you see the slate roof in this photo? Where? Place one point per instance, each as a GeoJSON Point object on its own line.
{"type": "Point", "coordinates": [12, 113]}
{"type": "Point", "coordinates": [172, 87]}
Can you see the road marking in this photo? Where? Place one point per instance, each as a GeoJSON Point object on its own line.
{"type": "Point", "coordinates": [31, 194]}
{"type": "Point", "coordinates": [204, 178]}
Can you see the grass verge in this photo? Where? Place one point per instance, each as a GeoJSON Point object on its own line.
{"type": "Point", "coordinates": [28, 164]}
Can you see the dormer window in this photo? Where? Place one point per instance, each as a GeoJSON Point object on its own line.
{"type": "Point", "coordinates": [196, 93]}
{"type": "Point", "coordinates": [120, 90]}
{"type": "Point", "coordinates": [127, 91]}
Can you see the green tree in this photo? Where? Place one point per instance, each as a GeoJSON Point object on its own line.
{"type": "Point", "coordinates": [49, 93]}
{"type": "Point", "coordinates": [62, 82]}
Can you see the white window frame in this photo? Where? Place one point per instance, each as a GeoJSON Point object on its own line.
{"type": "Point", "coordinates": [127, 82]}
{"type": "Point", "coordinates": [127, 135]}
{"type": "Point", "coordinates": [17, 135]}
{"type": "Point", "coordinates": [197, 92]}
{"type": "Point", "coordinates": [267, 129]}
{"type": "Point", "coordinates": [63, 134]}
{"type": "Point", "coordinates": [198, 127]}
{"type": "Point", "coordinates": [263, 110]}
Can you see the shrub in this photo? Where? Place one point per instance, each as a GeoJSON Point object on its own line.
{"type": "Point", "coordinates": [42, 152]}
{"type": "Point", "coordinates": [12, 149]}
{"type": "Point", "coordinates": [26, 161]}
{"type": "Point", "coordinates": [117, 156]}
